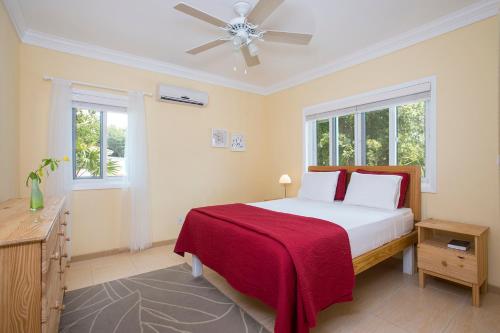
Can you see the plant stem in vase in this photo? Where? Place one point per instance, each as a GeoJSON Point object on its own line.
{"type": "Point", "coordinates": [36, 201]}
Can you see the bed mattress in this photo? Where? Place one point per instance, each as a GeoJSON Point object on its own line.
{"type": "Point", "coordinates": [368, 228]}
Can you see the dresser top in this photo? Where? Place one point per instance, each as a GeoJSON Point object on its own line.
{"type": "Point", "coordinates": [20, 225]}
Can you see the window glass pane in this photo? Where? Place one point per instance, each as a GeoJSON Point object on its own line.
{"type": "Point", "coordinates": [88, 138]}
{"type": "Point", "coordinates": [323, 142]}
{"type": "Point", "coordinates": [411, 134]}
{"type": "Point", "coordinates": [377, 137]}
{"type": "Point", "coordinates": [117, 132]}
{"type": "Point", "coordinates": [345, 143]}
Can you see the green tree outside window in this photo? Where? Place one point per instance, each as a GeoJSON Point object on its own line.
{"type": "Point", "coordinates": [88, 145]}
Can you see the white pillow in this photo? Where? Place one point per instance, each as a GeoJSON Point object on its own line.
{"type": "Point", "coordinates": [319, 186]}
{"type": "Point", "coordinates": [380, 191]}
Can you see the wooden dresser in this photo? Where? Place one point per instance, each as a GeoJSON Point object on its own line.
{"type": "Point", "coordinates": [33, 259]}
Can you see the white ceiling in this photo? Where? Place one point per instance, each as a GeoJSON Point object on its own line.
{"type": "Point", "coordinates": [154, 30]}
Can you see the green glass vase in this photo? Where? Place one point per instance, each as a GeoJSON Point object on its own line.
{"type": "Point", "coordinates": [36, 201]}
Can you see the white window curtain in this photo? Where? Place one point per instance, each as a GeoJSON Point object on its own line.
{"type": "Point", "coordinates": [59, 183]}
{"type": "Point", "coordinates": [137, 170]}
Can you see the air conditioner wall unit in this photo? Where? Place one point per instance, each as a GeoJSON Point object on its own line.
{"type": "Point", "coordinates": [173, 94]}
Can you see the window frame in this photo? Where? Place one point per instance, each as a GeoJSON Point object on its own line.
{"type": "Point", "coordinates": [103, 103]}
{"type": "Point", "coordinates": [345, 106]}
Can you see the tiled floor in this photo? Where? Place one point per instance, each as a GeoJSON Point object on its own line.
{"type": "Point", "coordinates": [386, 300]}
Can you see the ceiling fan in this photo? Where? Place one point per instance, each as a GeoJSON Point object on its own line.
{"type": "Point", "coordinates": [244, 30]}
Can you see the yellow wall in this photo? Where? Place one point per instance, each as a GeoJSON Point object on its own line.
{"type": "Point", "coordinates": [185, 170]}
{"type": "Point", "coordinates": [9, 96]}
{"type": "Point", "coordinates": [465, 63]}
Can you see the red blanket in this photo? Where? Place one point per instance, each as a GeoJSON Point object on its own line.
{"type": "Point", "coordinates": [297, 265]}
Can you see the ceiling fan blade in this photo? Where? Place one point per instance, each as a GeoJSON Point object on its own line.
{"type": "Point", "coordinates": [206, 46]}
{"type": "Point", "coordinates": [287, 37]}
{"type": "Point", "coordinates": [262, 10]}
{"type": "Point", "coordinates": [251, 61]}
{"type": "Point", "coordinates": [191, 11]}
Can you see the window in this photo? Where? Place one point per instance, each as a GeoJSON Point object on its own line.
{"type": "Point", "coordinates": [394, 126]}
{"type": "Point", "coordinates": [411, 134]}
{"type": "Point", "coordinates": [99, 140]}
{"type": "Point", "coordinates": [375, 137]}
{"type": "Point", "coordinates": [323, 141]}
{"type": "Point", "coordinates": [345, 139]}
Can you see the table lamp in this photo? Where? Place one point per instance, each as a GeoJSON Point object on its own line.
{"type": "Point", "coordinates": [285, 180]}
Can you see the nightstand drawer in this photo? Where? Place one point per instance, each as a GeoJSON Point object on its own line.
{"type": "Point", "coordinates": [462, 266]}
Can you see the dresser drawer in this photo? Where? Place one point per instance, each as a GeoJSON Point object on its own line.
{"type": "Point", "coordinates": [64, 261]}
{"type": "Point", "coordinates": [52, 298]}
{"type": "Point", "coordinates": [52, 325]}
{"type": "Point", "coordinates": [52, 292]}
{"type": "Point", "coordinates": [462, 266]}
{"type": "Point", "coordinates": [63, 245]}
{"type": "Point", "coordinates": [50, 246]}
{"type": "Point", "coordinates": [50, 262]}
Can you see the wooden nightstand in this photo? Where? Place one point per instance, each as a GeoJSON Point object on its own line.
{"type": "Point", "coordinates": [469, 267]}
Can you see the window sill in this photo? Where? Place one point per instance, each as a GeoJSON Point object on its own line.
{"type": "Point", "coordinates": [85, 185]}
{"type": "Point", "coordinates": [427, 187]}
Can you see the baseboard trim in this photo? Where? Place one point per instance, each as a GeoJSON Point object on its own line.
{"type": "Point", "coordinates": [111, 252]}
{"type": "Point", "coordinates": [81, 257]}
{"type": "Point", "coordinates": [493, 289]}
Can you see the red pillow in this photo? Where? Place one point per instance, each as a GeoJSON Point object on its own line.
{"type": "Point", "coordinates": [404, 182]}
{"type": "Point", "coordinates": [341, 185]}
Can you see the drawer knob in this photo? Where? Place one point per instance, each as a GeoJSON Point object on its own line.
{"type": "Point", "coordinates": [58, 306]}
{"type": "Point", "coordinates": [444, 263]}
{"type": "Point", "coordinates": [55, 256]}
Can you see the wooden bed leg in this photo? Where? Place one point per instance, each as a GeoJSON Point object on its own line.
{"type": "Point", "coordinates": [197, 267]}
{"type": "Point", "coordinates": [475, 295]}
{"type": "Point", "coordinates": [409, 260]}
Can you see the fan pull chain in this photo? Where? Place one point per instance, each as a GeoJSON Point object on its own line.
{"type": "Point", "coordinates": [235, 60]}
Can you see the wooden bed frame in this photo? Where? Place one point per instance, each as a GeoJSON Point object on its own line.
{"type": "Point", "coordinates": [405, 244]}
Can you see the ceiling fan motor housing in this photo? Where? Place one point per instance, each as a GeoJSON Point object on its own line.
{"type": "Point", "coordinates": [243, 32]}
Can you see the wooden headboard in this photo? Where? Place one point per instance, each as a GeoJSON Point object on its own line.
{"type": "Point", "coordinates": [413, 195]}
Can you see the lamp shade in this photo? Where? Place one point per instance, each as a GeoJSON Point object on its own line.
{"type": "Point", "coordinates": [285, 179]}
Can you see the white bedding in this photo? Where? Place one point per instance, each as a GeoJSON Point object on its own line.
{"type": "Point", "coordinates": [368, 228]}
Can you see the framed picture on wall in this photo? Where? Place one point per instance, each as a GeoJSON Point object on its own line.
{"type": "Point", "coordinates": [238, 142]}
{"type": "Point", "coordinates": [219, 138]}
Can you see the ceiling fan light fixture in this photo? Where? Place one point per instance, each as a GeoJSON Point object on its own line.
{"type": "Point", "coordinates": [237, 41]}
{"type": "Point", "coordinates": [253, 49]}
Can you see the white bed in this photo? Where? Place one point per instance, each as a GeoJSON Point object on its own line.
{"type": "Point", "coordinates": [368, 228]}
{"type": "Point", "coordinates": [375, 234]}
